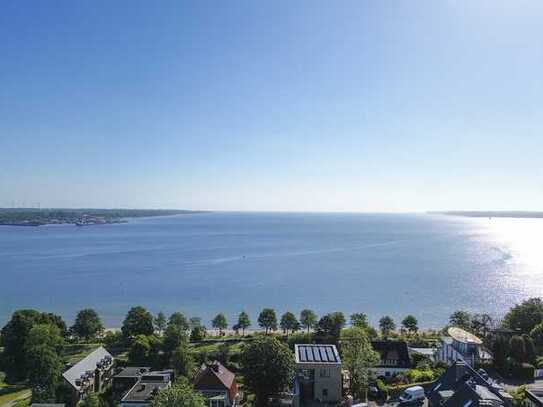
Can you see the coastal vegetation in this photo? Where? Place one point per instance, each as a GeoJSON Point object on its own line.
{"type": "Point", "coordinates": [37, 217]}
{"type": "Point", "coordinates": [38, 345]}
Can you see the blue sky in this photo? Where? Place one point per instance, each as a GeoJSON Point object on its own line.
{"type": "Point", "coordinates": [280, 105]}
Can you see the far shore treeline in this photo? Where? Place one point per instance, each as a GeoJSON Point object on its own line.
{"type": "Point", "coordinates": [37, 217]}
{"type": "Point", "coordinates": [35, 343]}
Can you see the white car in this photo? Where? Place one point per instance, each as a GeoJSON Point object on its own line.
{"type": "Point", "coordinates": [412, 394]}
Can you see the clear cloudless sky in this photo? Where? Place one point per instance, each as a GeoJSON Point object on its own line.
{"type": "Point", "coordinates": [277, 105]}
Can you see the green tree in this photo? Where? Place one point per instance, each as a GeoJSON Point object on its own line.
{"type": "Point", "coordinates": [183, 361]}
{"type": "Point", "coordinates": [482, 325]}
{"type": "Point", "coordinates": [537, 334]}
{"type": "Point", "coordinates": [139, 353]}
{"type": "Point", "coordinates": [289, 322]}
{"type": "Point", "coordinates": [179, 320]}
{"type": "Point", "coordinates": [308, 319]}
{"type": "Point", "coordinates": [410, 324]}
{"type": "Point", "coordinates": [267, 320]}
{"type": "Point", "coordinates": [529, 348]}
{"type": "Point", "coordinates": [525, 316]}
{"type": "Point", "coordinates": [517, 348]}
{"type": "Point", "coordinates": [198, 333]}
{"type": "Point", "coordinates": [178, 395]}
{"type": "Point", "coordinates": [268, 368]}
{"type": "Point", "coordinates": [138, 321]}
{"type": "Point", "coordinates": [87, 324]}
{"type": "Point", "coordinates": [160, 322]}
{"type": "Point", "coordinates": [243, 321]}
{"type": "Point", "coordinates": [387, 326]}
{"type": "Point", "coordinates": [44, 372]}
{"type": "Point", "coordinates": [91, 400]}
{"type": "Point", "coordinates": [14, 336]}
{"type": "Point", "coordinates": [219, 322]}
{"type": "Point", "coordinates": [461, 319]}
{"type": "Point", "coordinates": [358, 357]}
{"type": "Point", "coordinates": [329, 327]}
{"type": "Point", "coordinates": [173, 337]}
{"type": "Point", "coordinates": [45, 335]}
{"type": "Point", "coordinates": [359, 320]}
{"type": "Point", "coordinates": [500, 351]}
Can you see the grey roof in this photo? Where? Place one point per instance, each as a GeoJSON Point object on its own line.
{"type": "Point", "coordinates": [88, 363]}
{"type": "Point", "coordinates": [461, 384]}
{"type": "Point", "coordinates": [535, 394]}
{"type": "Point", "coordinates": [133, 371]}
{"type": "Point", "coordinates": [316, 354]}
{"type": "Point", "coordinates": [147, 386]}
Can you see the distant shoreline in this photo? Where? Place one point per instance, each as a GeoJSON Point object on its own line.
{"type": "Point", "coordinates": [492, 214]}
{"type": "Point", "coordinates": [25, 217]}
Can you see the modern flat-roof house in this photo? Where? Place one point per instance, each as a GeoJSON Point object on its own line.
{"type": "Point", "coordinates": [217, 384]}
{"type": "Point", "coordinates": [461, 386]}
{"type": "Point", "coordinates": [534, 397]}
{"type": "Point", "coordinates": [91, 374]}
{"type": "Point", "coordinates": [148, 385]}
{"type": "Point", "coordinates": [318, 373]}
{"type": "Point", "coordinates": [127, 378]}
{"type": "Point", "coordinates": [461, 345]}
{"type": "Point", "coordinates": [394, 358]}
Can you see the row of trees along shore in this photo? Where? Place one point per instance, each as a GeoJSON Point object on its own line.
{"type": "Point", "coordinates": [34, 344]}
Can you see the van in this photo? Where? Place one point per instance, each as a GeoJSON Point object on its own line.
{"type": "Point", "coordinates": [412, 395]}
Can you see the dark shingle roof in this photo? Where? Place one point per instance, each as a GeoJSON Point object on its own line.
{"type": "Point", "coordinates": [392, 350]}
{"type": "Point", "coordinates": [460, 384]}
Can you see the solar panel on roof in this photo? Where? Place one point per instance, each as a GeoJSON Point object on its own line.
{"type": "Point", "coordinates": [318, 356]}
{"type": "Point", "coordinates": [309, 354]}
{"type": "Point", "coordinates": [331, 355]}
{"type": "Point", "coordinates": [301, 353]}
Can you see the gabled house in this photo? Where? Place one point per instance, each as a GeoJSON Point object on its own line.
{"type": "Point", "coordinates": [394, 358]}
{"type": "Point", "coordinates": [461, 385]}
{"type": "Point", "coordinates": [91, 374]}
{"type": "Point", "coordinates": [217, 384]}
{"type": "Point", "coordinates": [318, 373]}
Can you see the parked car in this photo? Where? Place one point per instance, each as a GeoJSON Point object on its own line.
{"type": "Point", "coordinates": [412, 395]}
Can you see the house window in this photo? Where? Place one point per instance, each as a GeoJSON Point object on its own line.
{"type": "Point", "coordinates": [324, 394]}
{"type": "Point", "coordinates": [325, 373]}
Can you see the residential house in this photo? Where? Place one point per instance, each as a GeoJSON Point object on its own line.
{"type": "Point", "coordinates": [91, 374]}
{"type": "Point", "coordinates": [393, 358]}
{"type": "Point", "coordinates": [148, 385]}
{"type": "Point", "coordinates": [534, 397]}
{"type": "Point", "coordinates": [127, 378]}
{"type": "Point", "coordinates": [460, 385]}
{"type": "Point", "coordinates": [217, 384]}
{"type": "Point", "coordinates": [318, 373]}
{"type": "Point", "coordinates": [461, 345]}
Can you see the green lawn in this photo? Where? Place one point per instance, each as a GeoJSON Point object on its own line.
{"type": "Point", "coordinates": [6, 398]}
{"type": "Point", "coordinates": [73, 353]}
